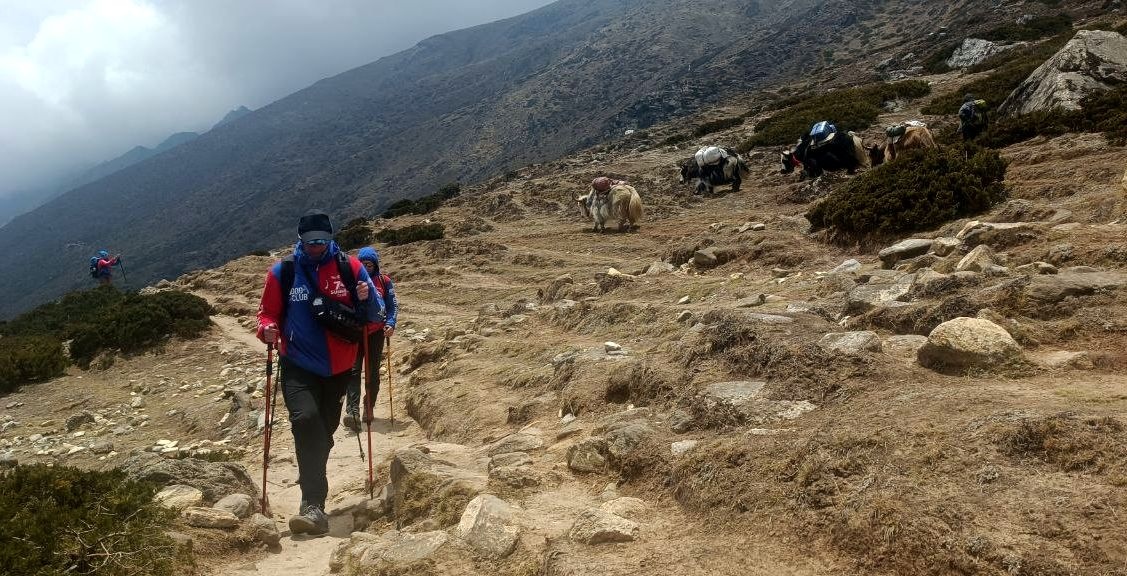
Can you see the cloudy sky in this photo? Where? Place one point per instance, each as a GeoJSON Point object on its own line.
{"type": "Point", "coordinates": [85, 81]}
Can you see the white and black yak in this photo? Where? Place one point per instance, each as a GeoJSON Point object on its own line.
{"type": "Point", "coordinates": [713, 166]}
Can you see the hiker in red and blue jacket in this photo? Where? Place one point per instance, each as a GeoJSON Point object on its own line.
{"type": "Point", "coordinates": [316, 353]}
{"type": "Point", "coordinates": [378, 330]}
{"type": "Point", "coordinates": [103, 267]}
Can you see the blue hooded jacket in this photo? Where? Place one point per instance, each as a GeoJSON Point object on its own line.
{"type": "Point", "coordinates": [384, 287]}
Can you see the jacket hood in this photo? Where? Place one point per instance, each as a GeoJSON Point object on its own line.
{"type": "Point", "coordinates": [369, 254]}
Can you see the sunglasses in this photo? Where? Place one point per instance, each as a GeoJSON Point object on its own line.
{"type": "Point", "coordinates": [317, 242]}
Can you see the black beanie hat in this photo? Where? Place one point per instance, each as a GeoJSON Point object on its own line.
{"type": "Point", "coordinates": [315, 225]}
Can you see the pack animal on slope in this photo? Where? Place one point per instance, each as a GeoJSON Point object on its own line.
{"type": "Point", "coordinates": [910, 135]}
{"type": "Point", "coordinates": [609, 200]}
{"type": "Point", "coordinates": [713, 166]}
{"type": "Point", "coordinates": [824, 148]}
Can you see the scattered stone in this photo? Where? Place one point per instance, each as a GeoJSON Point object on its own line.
{"type": "Point", "coordinates": [684, 300]}
{"type": "Point", "coordinates": [595, 526]}
{"type": "Point", "coordinates": [586, 456]}
{"type": "Point", "coordinates": [1037, 268]}
{"type": "Point", "coordinates": [77, 420]}
{"type": "Point", "coordinates": [518, 442]}
{"type": "Point", "coordinates": [850, 342]}
{"type": "Point", "coordinates": [846, 267]}
{"type": "Point", "coordinates": [1064, 359]}
{"type": "Point", "coordinates": [906, 347]}
{"type": "Point", "coordinates": [1068, 284]}
{"type": "Point", "coordinates": [904, 249]}
{"type": "Point", "coordinates": [757, 227]}
{"type": "Point", "coordinates": [240, 505]}
{"type": "Point", "coordinates": [389, 553]}
{"type": "Point", "coordinates": [611, 347]}
{"type": "Point", "coordinates": [964, 343]}
{"type": "Point", "coordinates": [682, 447]}
{"type": "Point", "coordinates": [510, 459]}
{"type": "Point", "coordinates": [210, 518]}
{"type": "Point", "coordinates": [978, 260]}
{"type": "Point", "coordinates": [487, 526]}
{"type": "Point", "coordinates": [684, 316]}
{"type": "Point", "coordinates": [265, 530]}
{"type": "Point", "coordinates": [8, 459]}
{"type": "Point", "coordinates": [659, 268]}
{"type": "Point", "coordinates": [625, 438]}
{"type": "Point", "coordinates": [867, 297]}
{"type": "Point", "coordinates": [706, 258]}
{"type": "Point", "coordinates": [103, 447]}
{"type": "Point", "coordinates": [214, 479]}
{"type": "Point", "coordinates": [137, 403]}
{"type": "Point", "coordinates": [945, 245]}
{"type": "Point", "coordinates": [179, 497]}
{"type": "Point", "coordinates": [680, 421]}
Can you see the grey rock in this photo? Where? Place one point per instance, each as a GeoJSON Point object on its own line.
{"type": "Point", "coordinates": [1094, 60]}
{"type": "Point", "coordinates": [210, 518]}
{"type": "Point", "coordinates": [1055, 288]}
{"type": "Point", "coordinates": [487, 525]}
{"type": "Point", "coordinates": [945, 245]}
{"type": "Point", "coordinates": [846, 267]}
{"type": "Point", "coordinates": [964, 343]}
{"type": "Point", "coordinates": [624, 439]}
{"type": "Point", "coordinates": [265, 530]}
{"type": "Point", "coordinates": [214, 479]}
{"type": "Point", "coordinates": [518, 442]}
{"type": "Point", "coordinates": [179, 497]}
{"type": "Point", "coordinates": [974, 51]}
{"type": "Point", "coordinates": [904, 249]}
{"type": "Point", "coordinates": [977, 260]}
{"type": "Point", "coordinates": [510, 459]}
{"type": "Point", "coordinates": [868, 297]}
{"type": "Point", "coordinates": [905, 347]}
{"type": "Point", "coordinates": [241, 505]}
{"type": "Point", "coordinates": [706, 258]}
{"type": "Point", "coordinates": [851, 342]}
{"type": "Point", "coordinates": [682, 447]}
{"type": "Point", "coordinates": [626, 507]}
{"type": "Point", "coordinates": [595, 526]}
{"type": "Point", "coordinates": [659, 268]}
{"type": "Point", "coordinates": [586, 456]}
{"type": "Point", "coordinates": [75, 421]}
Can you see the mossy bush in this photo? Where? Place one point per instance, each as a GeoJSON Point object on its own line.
{"type": "Point", "coordinates": [849, 109]}
{"type": "Point", "coordinates": [920, 190]}
{"type": "Point", "coordinates": [409, 234]}
{"type": "Point", "coordinates": [424, 205]}
{"type": "Point", "coordinates": [717, 125]}
{"type": "Point", "coordinates": [105, 318]}
{"type": "Point", "coordinates": [1035, 29]}
{"type": "Point", "coordinates": [64, 521]}
{"type": "Point", "coordinates": [354, 234]}
{"type": "Point", "coordinates": [29, 359]}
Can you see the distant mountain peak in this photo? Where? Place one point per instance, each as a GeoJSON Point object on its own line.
{"type": "Point", "coordinates": [232, 116]}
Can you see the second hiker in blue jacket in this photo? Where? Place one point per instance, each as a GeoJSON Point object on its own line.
{"type": "Point", "coordinates": [379, 330]}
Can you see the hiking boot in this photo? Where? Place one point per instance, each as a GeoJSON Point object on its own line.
{"type": "Point", "coordinates": [311, 520]}
{"type": "Point", "coordinates": [352, 420]}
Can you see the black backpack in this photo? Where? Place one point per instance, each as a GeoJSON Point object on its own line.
{"type": "Point", "coordinates": [345, 321]}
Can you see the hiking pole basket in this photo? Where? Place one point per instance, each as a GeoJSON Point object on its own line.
{"type": "Point", "coordinates": [268, 411]}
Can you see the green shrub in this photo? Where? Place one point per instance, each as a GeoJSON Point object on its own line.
{"type": "Point", "coordinates": [849, 109]}
{"type": "Point", "coordinates": [920, 190]}
{"type": "Point", "coordinates": [1037, 28]}
{"type": "Point", "coordinates": [105, 318]}
{"type": "Point", "coordinates": [355, 234]}
{"type": "Point", "coordinates": [29, 359]}
{"type": "Point", "coordinates": [717, 125]}
{"type": "Point", "coordinates": [675, 139]}
{"type": "Point", "coordinates": [63, 521]}
{"type": "Point", "coordinates": [409, 234]}
{"type": "Point", "coordinates": [936, 63]}
{"type": "Point", "coordinates": [428, 203]}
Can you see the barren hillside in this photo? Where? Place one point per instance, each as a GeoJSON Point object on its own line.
{"type": "Point", "coordinates": [722, 422]}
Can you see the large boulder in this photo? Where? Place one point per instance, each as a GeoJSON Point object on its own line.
{"type": "Point", "coordinates": [595, 526]}
{"type": "Point", "coordinates": [1094, 60]}
{"type": "Point", "coordinates": [214, 479]}
{"type": "Point", "coordinates": [970, 343]}
{"type": "Point", "coordinates": [1066, 284]}
{"type": "Point", "coordinates": [974, 51]}
{"type": "Point", "coordinates": [489, 527]}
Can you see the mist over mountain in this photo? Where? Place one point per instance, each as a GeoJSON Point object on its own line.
{"type": "Point", "coordinates": [459, 106]}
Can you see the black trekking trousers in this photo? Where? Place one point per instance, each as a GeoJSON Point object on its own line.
{"type": "Point", "coordinates": [375, 354]}
{"type": "Point", "coordinates": [314, 403]}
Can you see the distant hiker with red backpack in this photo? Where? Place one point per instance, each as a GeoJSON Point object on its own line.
{"type": "Point", "coordinates": [378, 331]}
{"type": "Point", "coordinates": [314, 307]}
{"type": "Point", "coordinates": [101, 267]}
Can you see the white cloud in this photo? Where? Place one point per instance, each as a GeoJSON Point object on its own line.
{"type": "Point", "coordinates": [84, 81]}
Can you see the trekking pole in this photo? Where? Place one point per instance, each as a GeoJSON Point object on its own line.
{"type": "Point", "coordinates": [368, 416]}
{"type": "Point", "coordinates": [122, 266]}
{"type": "Point", "coordinates": [268, 425]}
{"type": "Point", "coordinates": [390, 394]}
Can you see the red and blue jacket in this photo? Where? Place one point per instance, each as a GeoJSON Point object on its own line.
{"type": "Point", "coordinates": [105, 266]}
{"type": "Point", "coordinates": [302, 340]}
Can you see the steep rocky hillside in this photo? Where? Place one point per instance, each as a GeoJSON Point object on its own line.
{"type": "Point", "coordinates": [646, 407]}
{"type": "Point", "coordinates": [464, 105]}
